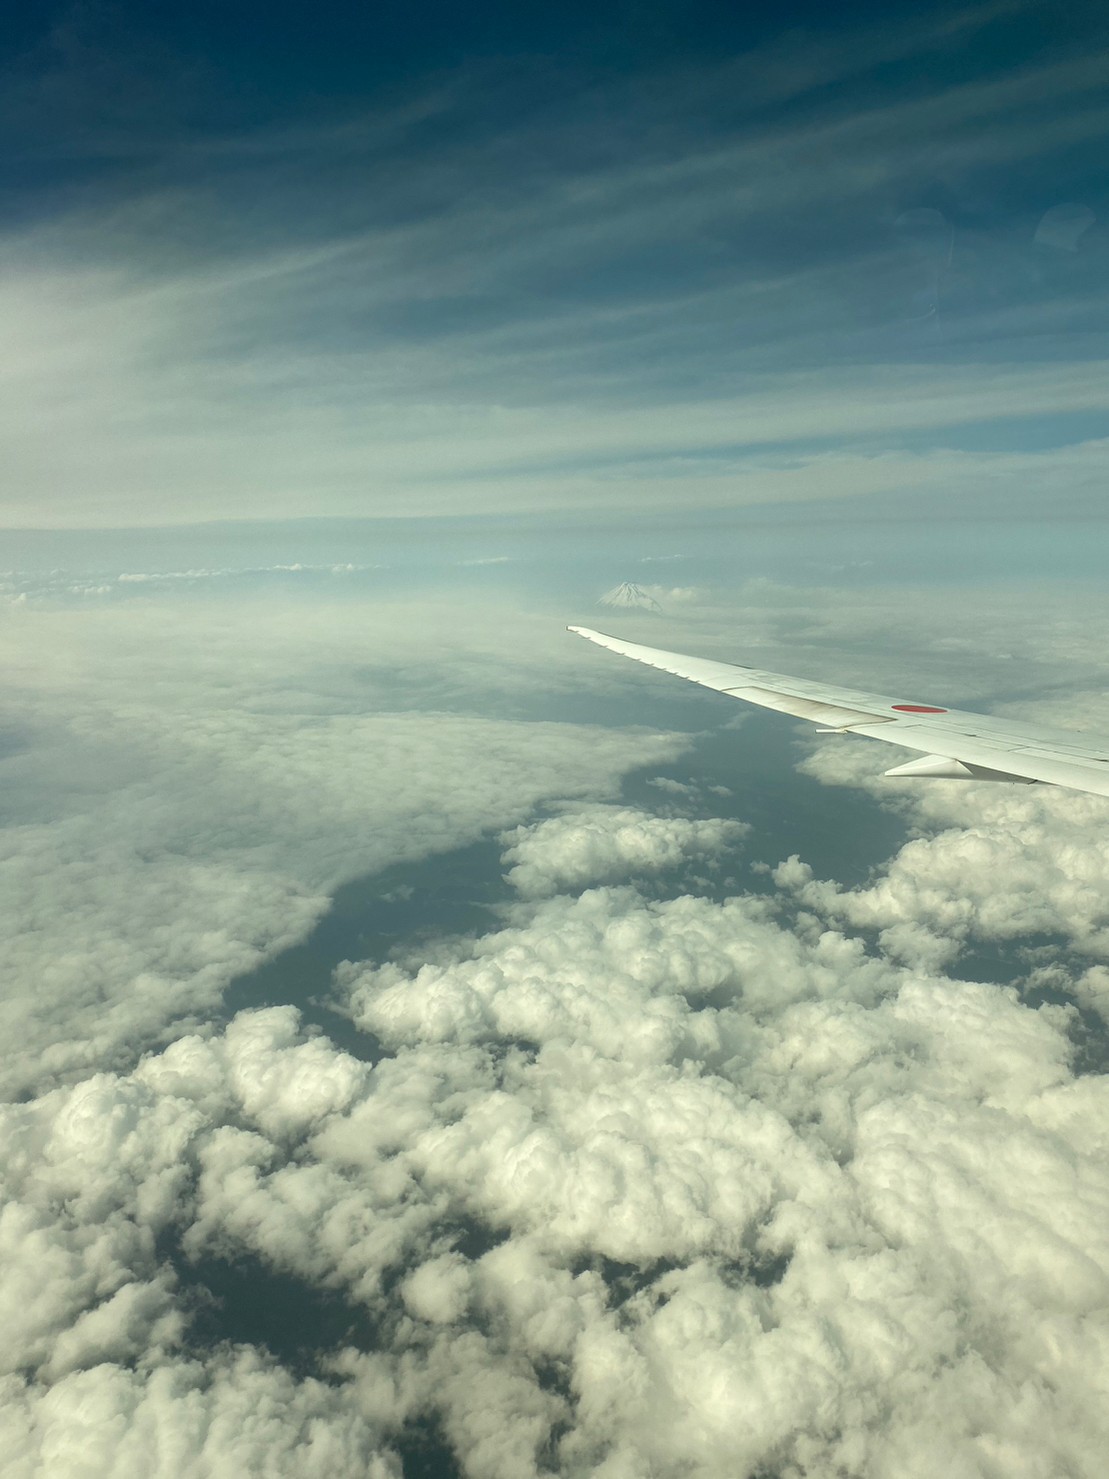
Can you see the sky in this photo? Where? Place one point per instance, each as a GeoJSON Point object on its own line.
{"type": "Point", "coordinates": [435, 1048]}
{"type": "Point", "coordinates": [470, 262]}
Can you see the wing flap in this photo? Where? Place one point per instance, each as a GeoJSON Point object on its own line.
{"type": "Point", "coordinates": [834, 715]}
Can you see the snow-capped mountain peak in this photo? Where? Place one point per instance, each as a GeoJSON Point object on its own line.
{"type": "Point", "coordinates": [629, 594]}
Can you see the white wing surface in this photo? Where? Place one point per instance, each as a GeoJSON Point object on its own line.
{"type": "Point", "coordinates": [951, 743]}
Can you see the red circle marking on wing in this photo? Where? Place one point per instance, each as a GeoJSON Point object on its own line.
{"type": "Point", "coordinates": [917, 709]}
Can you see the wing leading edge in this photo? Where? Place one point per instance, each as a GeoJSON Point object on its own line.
{"type": "Point", "coordinates": [952, 743]}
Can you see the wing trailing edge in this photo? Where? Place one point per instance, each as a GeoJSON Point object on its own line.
{"type": "Point", "coordinates": [951, 743]}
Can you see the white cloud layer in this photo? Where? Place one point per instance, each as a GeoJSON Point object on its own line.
{"type": "Point", "coordinates": [607, 844]}
{"type": "Point", "coordinates": [235, 1414]}
{"type": "Point", "coordinates": [193, 793]}
{"type": "Point", "coordinates": [997, 862]}
{"type": "Point", "coordinates": [634, 1184]}
{"type": "Point", "coordinates": [915, 1145]}
{"type": "Point", "coordinates": [856, 1212]}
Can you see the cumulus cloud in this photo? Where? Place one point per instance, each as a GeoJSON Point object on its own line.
{"type": "Point", "coordinates": [630, 1180]}
{"type": "Point", "coordinates": [996, 863]}
{"type": "Point", "coordinates": [605, 844]}
{"type": "Point", "coordinates": [439, 1290]}
{"type": "Point", "coordinates": [750, 1193]}
{"type": "Point", "coordinates": [832, 1192]}
{"type": "Point", "coordinates": [862, 1134]}
{"type": "Point", "coordinates": [235, 1414]}
{"type": "Point", "coordinates": [194, 793]}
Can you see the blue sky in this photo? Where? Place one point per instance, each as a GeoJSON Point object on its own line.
{"type": "Point", "coordinates": [370, 264]}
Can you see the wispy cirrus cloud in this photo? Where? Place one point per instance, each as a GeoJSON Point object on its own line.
{"type": "Point", "coordinates": [468, 302]}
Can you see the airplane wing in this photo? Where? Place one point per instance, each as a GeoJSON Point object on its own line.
{"type": "Point", "coordinates": [952, 743]}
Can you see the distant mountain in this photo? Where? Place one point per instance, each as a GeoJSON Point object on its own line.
{"type": "Point", "coordinates": [630, 595]}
